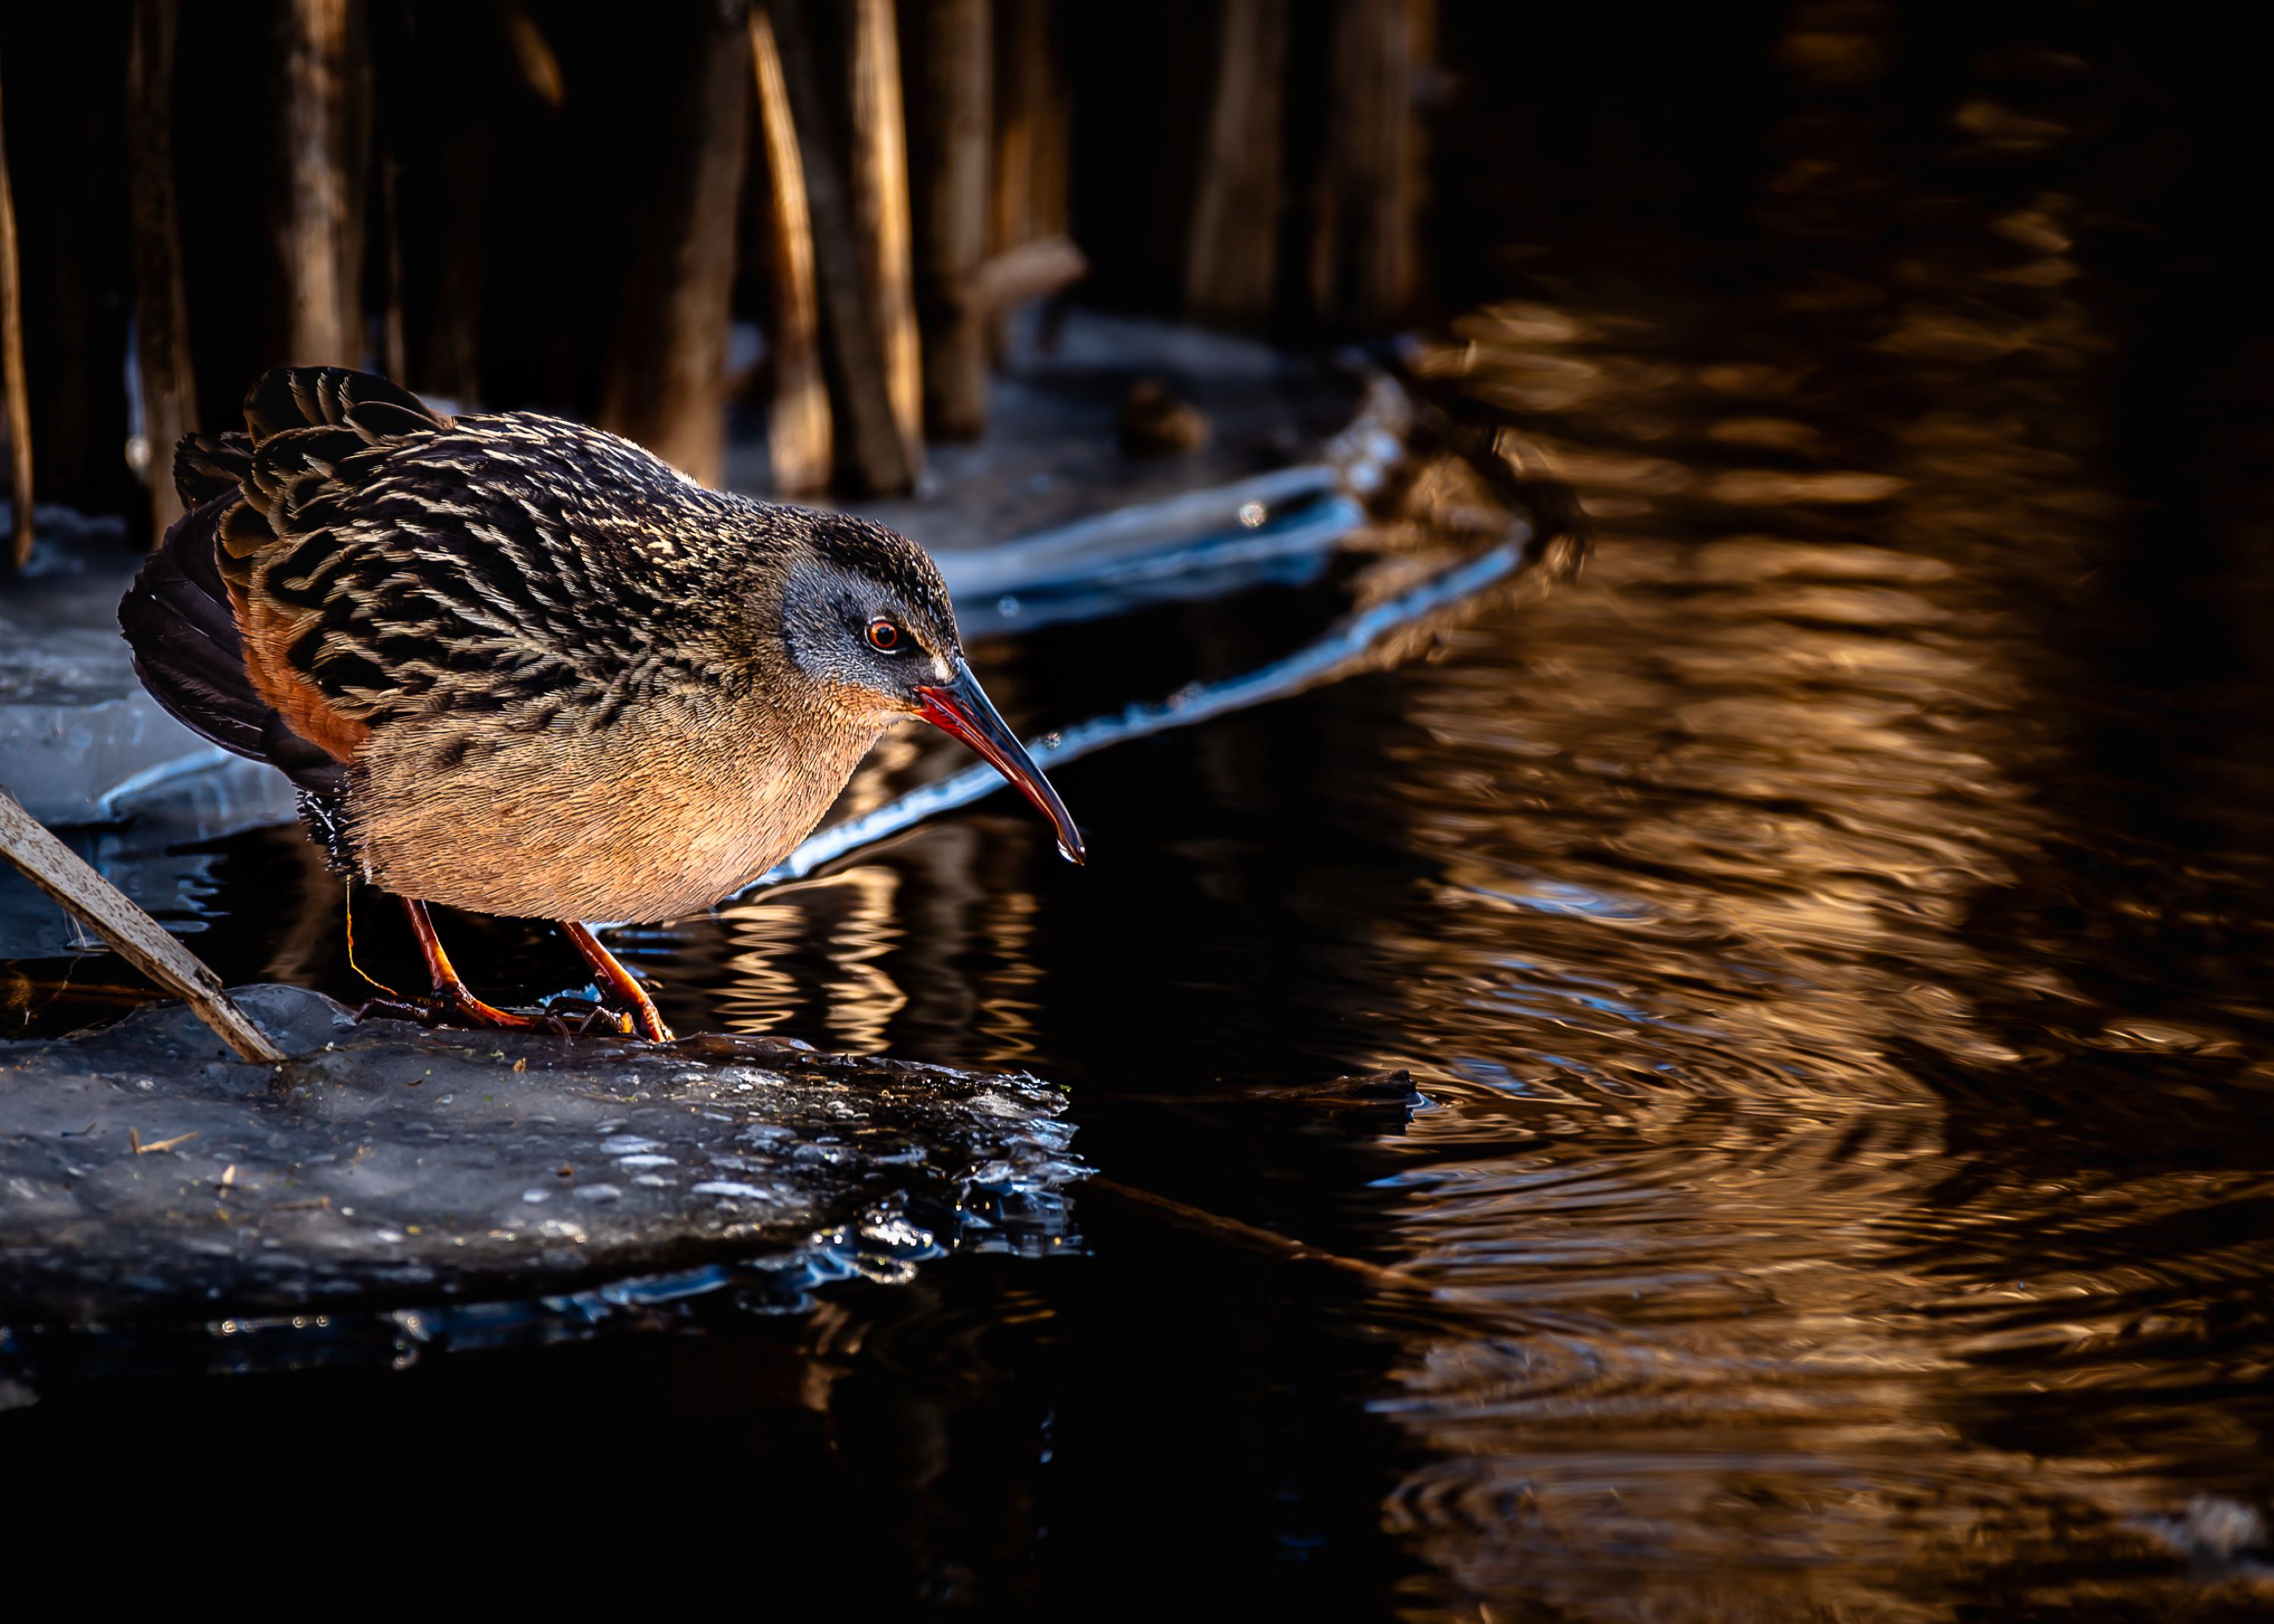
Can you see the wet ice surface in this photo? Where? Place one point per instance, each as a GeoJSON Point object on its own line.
{"type": "Point", "coordinates": [146, 1173]}
{"type": "Point", "coordinates": [132, 790]}
{"type": "Point", "coordinates": [80, 740]}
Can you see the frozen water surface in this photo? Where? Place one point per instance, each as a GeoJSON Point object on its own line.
{"type": "Point", "coordinates": [145, 1172]}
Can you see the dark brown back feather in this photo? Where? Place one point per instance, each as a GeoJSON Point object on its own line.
{"type": "Point", "coordinates": [306, 422]}
{"type": "Point", "coordinates": [307, 397]}
{"type": "Point", "coordinates": [206, 466]}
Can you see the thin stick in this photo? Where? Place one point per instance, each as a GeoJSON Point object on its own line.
{"type": "Point", "coordinates": [1362, 249]}
{"type": "Point", "coordinates": [19, 396]}
{"type": "Point", "coordinates": [798, 429]}
{"type": "Point", "coordinates": [1029, 173]}
{"type": "Point", "coordinates": [880, 194]}
{"type": "Point", "coordinates": [665, 379]}
{"type": "Point", "coordinates": [881, 203]}
{"type": "Point", "coordinates": [394, 341]}
{"type": "Point", "coordinates": [140, 940]}
{"type": "Point", "coordinates": [162, 323]}
{"type": "Point", "coordinates": [1231, 254]}
{"type": "Point", "coordinates": [309, 231]}
{"type": "Point", "coordinates": [17, 991]}
{"type": "Point", "coordinates": [1020, 45]}
{"type": "Point", "coordinates": [957, 54]}
{"type": "Point", "coordinates": [869, 436]}
{"type": "Point", "coordinates": [1380, 1276]}
{"type": "Point", "coordinates": [1386, 1278]}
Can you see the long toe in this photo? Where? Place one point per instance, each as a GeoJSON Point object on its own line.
{"type": "Point", "coordinates": [474, 1012]}
{"type": "Point", "coordinates": [585, 1016]}
{"type": "Point", "coordinates": [424, 1011]}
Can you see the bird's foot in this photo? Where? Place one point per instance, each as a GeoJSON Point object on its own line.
{"type": "Point", "coordinates": [563, 1017]}
{"type": "Point", "coordinates": [585, 1016]}
{"type": "Point", "coordinates": [453, 1004]}
{"type": "Point", "coordinates": [456, 1007]}
{"type": "Point", "coordinates": [395, 1009]}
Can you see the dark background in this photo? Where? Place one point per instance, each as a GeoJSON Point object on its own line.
{"type": "Point", "coordinates": [1196, 1405]}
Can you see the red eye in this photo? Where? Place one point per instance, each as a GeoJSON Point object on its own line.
{"type": "Point", "coordinates": [884, 636]}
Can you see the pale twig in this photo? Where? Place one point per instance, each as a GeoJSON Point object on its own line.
{"type": "Point", "coordinates": [140, 940]}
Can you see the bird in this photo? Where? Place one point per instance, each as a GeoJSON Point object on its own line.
{"type": "Point", "coordinates": [516, 664]}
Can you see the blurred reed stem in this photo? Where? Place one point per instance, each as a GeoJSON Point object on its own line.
{"type": "Point", "coordinates": [525, 203]}
{"type": "Point", "coordinates": [798, 425]}
{"type": "Point", "coordinates": [161, 314]}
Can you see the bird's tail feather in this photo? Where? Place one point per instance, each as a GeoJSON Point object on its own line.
{"type": "Point", "coordinates": [177, 617]}
{"type": "Point", "coordinates": [191, 656]}
{"type": "Point", "coordinates": [208, 465]}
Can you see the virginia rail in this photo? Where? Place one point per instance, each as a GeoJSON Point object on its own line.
{"type": "Point", "coordinates": [518, 666]}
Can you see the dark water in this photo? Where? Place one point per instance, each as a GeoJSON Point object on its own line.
{"type": "Point", "coordinates": [1830, 938]}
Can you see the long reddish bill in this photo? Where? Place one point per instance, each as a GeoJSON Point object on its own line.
{"type": "Point", "coordinates": [961, 707]}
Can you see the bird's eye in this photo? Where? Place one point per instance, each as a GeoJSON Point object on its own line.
{"type": "Point", "coordinates": [884, 636]}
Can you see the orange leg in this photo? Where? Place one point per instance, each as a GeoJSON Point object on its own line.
{"type": "Point", "coordinates": [614, 978]}
{"type": "Point", "coordinates": [451, 992]}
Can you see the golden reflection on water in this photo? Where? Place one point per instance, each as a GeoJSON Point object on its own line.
{"type": "Point", "coordinates": [1005, 1013]}
{"type": "Point", "coordinates": [1693, 970]}
{"type": "Point", "coordinates": [852, 916]}
{"type": "Point", "coordinates": [1696, 986]}
{"type": "Point", "coordinates": [1800, 1269]}
{"type": "Point", "coordinates": [1711, 828]}
{"type": "Point", "coordinates": [1708, 909]}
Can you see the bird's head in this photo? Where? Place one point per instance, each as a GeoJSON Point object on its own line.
{"type": "Point", "coordinates": [866, 617]}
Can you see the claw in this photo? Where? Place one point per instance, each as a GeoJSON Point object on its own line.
{"type": "Point", "coordinates": [584, 1012]}
{"type": "Point", "coordinates": [395, 1009]}
{"type": "Point", "coordinates": [444, 1008]}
